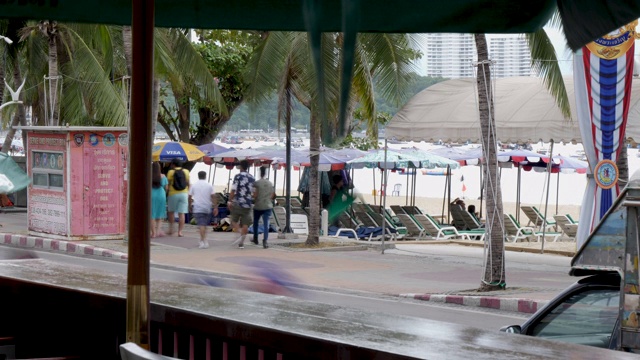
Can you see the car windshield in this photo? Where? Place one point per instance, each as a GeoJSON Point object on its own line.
{"type": "Point", "coordinates": [585, 318]}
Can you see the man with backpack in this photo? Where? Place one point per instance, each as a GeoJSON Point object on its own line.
{"type": "Point", "coordinates": [178, 200]}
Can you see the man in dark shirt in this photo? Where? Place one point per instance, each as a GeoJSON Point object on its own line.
{"type": "Point", "coordinates": [240, 202]}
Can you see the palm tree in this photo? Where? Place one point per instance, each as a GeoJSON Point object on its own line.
{"type": "Point", "coordinates": [284, 59]}
{"type": "Point", "coordinates": [545, 63]}
{"type": "Point", "coordinates": [81, 56]}
{"type": "Point", "coordinates": [178, 65]}
{"type": "Point", "coordinates": [11, 60]}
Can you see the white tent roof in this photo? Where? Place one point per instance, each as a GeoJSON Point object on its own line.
{"type": "Point", "coordinates": [525, 111]}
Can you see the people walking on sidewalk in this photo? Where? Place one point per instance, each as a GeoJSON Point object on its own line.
{"type": "Point", "coordinates": [159, 187]}
{"type": "Point", "coordinates": [240, 201]}
{"type": "Point", "coordinates": [263, 196]}
{"type": "Point", "coordinates": [202, 198]}
{"type": "Point", "coordinates": [178, 201]}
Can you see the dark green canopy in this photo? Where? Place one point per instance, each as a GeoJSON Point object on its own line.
{"type": "Point", "coordinates": [583, 20]}
{"type": "Point", "coordinates": [408, 16]}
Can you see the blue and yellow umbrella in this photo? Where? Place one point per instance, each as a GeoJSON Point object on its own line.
{"type": "Point", "coordinates": [169, 150]}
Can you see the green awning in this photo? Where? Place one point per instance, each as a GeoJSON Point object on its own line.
{"type": "Point", "coordinates": [408, 16]}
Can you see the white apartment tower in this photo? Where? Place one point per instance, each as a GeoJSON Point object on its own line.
{"type": "Point", "coordinates": [453, 55]}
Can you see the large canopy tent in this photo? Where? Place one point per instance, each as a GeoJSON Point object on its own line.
{"type": "Point", "coordinates": [583, 22]}
{"type": "Point", "coordinates": [525, 112]}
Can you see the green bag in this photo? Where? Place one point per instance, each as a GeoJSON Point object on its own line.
{"type": "Point", "coordinates": [12, 177]}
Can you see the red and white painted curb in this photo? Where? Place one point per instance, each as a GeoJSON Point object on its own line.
{"type": "Point", "coordinates": [60, 246]}
{"type": "Point", "coordinates": [506, 304]}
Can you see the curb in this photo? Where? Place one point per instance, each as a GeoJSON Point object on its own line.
{"type": "Point", "coordinates": [508, 247]}
{"type": "Point", "coordinates": [60, 246]}
{"type": "Point", "coordinates": [506, 304]}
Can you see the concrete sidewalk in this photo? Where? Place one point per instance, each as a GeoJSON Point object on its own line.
{"type": "Point", "coordinates": [444, 271]}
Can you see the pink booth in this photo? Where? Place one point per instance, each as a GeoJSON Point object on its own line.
{"type": "Point", "coordinates": [79, 181]}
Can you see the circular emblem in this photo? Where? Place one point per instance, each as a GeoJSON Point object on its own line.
{"type": "Point", "coordinates": [93, 139]}
{"type": "Point", "coordinates": [108, 139]}
{"type": "Point", "coordinates": [606, 174]}
{"type": "Point", "coordinates": [614, 44]}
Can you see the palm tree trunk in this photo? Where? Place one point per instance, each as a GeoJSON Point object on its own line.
{"type": "Point", "coordinates": [494, 275]}
{"type": "Point", "coordinates": [54, 95]}
{"type": "Point", "coordinates": [155, 104]}
{"type": "Point", "coordinates": [127, 41]}
{"type": "Point", "coordinates": [314, 180]}
{"type": "Point", "coordinates": [623, 167]}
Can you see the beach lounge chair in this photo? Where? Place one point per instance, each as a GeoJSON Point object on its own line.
{"type": "Point", "coordinates": [411, 210]}
{"type": "Point", "coordinates": [280, 215]}
{"type": "Point", "coordinates": [352, 228]}
{"type": "Point", "coordinates": [515, 232]}
{"type": "Point", "coordinates": [397, 209]}
{"type": "Point", "coordinates": [368, 221]}
{"type": "Point", "coordinates": [537, 219]}
{"type": "Point", "coordinates": [470, 221]}
{"type": "Point", "coordinates": [456, 214]}
{"type": "Point", "coordinates": [414, 229]}
{"type": "Point", "coordinates": [348, 225]}
{"type": "Point", "coordinates": [567, 225]}
{"type": "Point", "coordinates": [374, 212]}
{"type": "Point", "coordinates": [444, 232]}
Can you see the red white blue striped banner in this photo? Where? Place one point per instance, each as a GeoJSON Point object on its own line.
{"type": "Point", "coordinates": [603, 92]}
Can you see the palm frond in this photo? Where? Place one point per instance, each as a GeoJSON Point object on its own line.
{"type": "Point", "coordinates": [391, 61]}
{"type": "Point", "coordinates": [267, 65]}
{"type": "Point", "coordinates": [108, 106]}
{"type": "Point", "coordinates": [190, 63]}
{"type": "Point", "coordinates": [545, 63]}
{"type": "Point", "coordinates": [362, 88]}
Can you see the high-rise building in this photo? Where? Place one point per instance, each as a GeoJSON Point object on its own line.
{"type": "Point", "coordinates": [453, 55]}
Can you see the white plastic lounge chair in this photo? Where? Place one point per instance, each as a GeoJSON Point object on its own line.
{"type": "Point", "coordinates": [567, 226]}
{"type": "Point", "coordinates": [439, 232]}
{"type": "Point", "coordinates": [516, 232]}
{"type": "Point", "coordinates": [414, 229]}
{"type": "Point", "coordinates": [537, 219]}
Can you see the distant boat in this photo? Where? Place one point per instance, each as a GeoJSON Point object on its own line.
{"type": "Point", "coordinates": [231, 140]}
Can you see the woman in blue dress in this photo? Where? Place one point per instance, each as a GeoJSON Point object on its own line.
{"type": "Point", "coordinates": [159, 188]}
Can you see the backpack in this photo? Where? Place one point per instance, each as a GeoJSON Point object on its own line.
{"type": "Point", "coordinates": [179, 180]}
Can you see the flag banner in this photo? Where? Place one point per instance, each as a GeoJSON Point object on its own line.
{"type": "Point", "coordinates": [602, 80]}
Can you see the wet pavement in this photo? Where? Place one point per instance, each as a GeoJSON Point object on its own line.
{"type": "Point", "coordinates": [447, 271]}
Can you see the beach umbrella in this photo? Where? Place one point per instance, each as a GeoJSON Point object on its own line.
{"type": "Point", "coordinates": [521, 157]}
{"type": "Point", "coordinates": [169, 150]}
{"type": "Point", "coordinates": [210, 150]}
{"type": "Point", "coordinates": [561, 164]}
{"type": "Point", "coordinates": [464, 156]}
{"type": "Point", "coordinates": [326, 161]}
{"type": "Point", "coordinates": [428, 160]}
{"type": "Point", "coordinates": [237, 155]}
{"type": "Point", "coordinates": [233, 157]}
{"type": "Point", "coordinates": [384, 159]}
